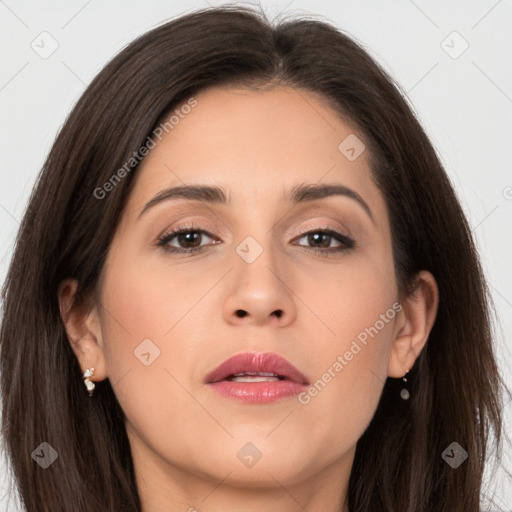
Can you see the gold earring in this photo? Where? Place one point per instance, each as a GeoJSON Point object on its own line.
{"type": "Point", "coordinates": [88, 384]}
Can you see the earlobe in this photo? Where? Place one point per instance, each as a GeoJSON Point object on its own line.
{"type": "Point", "coordinates": [82, 324]}
{"type": "Point", "coordinates": [417, 319]}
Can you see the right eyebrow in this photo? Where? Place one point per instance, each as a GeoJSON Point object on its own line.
{"type": "Point", "coordinates": [205, 193]}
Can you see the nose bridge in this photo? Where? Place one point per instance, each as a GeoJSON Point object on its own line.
{"type": "Point", "coordinates": [258, 244]}
{"type": "Point", "coordinates": [258, 262]}
{"type": "Point", "coordinates": [260, 290]}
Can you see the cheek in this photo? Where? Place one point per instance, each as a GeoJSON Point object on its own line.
{"type": "Point", "coordinates": [145, 303]}
{"type": "Point", "coordinates": [351, 355]}
{"type": "Point", "coordinates": [342, 399]}
{"type": "Point", "coordinates": [351, 297]}
{"type": "Point", "coordinates": [148, 315]}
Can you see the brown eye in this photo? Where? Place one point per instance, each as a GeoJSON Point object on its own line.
{"type": "Point", "coordinates": [187, 240]}
{"type": "Point", "coordinates": [321, 240]}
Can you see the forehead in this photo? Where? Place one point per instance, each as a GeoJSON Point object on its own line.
{"type": "Point", "coordinates": [260, 143]}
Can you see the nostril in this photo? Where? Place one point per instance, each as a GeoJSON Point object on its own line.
{"type": "Point", "coordinates": [240, 313]}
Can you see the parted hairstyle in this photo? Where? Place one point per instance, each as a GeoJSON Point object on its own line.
{"type": "Point", "coordinates": [456, 391]}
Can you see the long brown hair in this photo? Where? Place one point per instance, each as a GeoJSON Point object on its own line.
{"type": "Point", "coordinates": [456, 390]}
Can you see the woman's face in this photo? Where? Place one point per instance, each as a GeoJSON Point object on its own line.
{"type": "Point", "coordinates": [259, 284]}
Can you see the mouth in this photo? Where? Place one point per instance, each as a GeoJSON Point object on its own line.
{"type": "Point", "coordinates": [256, 378]}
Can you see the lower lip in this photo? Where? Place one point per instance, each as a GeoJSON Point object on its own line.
{"type": "Point", "coordinates": [257, 392]}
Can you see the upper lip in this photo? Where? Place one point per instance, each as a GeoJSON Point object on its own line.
{"type": "Point", "coordinates": [267, 362]}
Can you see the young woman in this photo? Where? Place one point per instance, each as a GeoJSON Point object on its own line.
{"type": "Point", "coordinates": [244, 282]}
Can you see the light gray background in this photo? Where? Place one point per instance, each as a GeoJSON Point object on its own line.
{"type": "Point", "coordinates": [464, 100]}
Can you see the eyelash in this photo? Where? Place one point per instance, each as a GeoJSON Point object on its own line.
{"type": "Point", "coordinates": [164, 239]}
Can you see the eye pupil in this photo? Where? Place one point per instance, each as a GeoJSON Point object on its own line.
{"type": "Point", "coordinates": [314, 237]}
{"type": "Point", "coordinates": [189, 236]}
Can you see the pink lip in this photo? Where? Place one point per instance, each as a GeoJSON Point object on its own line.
{"type": "Point", "coordinates": [257, 392]}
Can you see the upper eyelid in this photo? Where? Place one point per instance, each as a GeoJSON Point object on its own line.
{"type": "Point", "coordinates": [305, 213]}
{"type": "Point", "coordinates": [320, 226]}
{"type": "Point", "coordinates": [172, 233]}
{"type": "Point", "coordinates": [324, 224]}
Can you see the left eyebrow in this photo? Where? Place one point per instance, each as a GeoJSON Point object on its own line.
{"type": "Point", "coordinates": [300, 194]}
{"type": "Point", "coordinates": [309, 192]}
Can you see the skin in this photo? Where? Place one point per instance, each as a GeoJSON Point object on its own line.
{"type": "Point", "coordinates": [184, 437]}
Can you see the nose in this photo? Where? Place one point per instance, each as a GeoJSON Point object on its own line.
{"type": "Point", "coordinates": [261, 292]}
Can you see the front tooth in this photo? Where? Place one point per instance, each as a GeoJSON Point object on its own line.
{"type": "Point", "coordinates": [255, 378]}
{"type": "Point", "coordinates": [264, 374]}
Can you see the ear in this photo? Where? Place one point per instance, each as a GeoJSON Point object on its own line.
{"type": "Point", "coordinates": [414, 323]}
{"type": "Point", "coordinates": [83, 327]}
